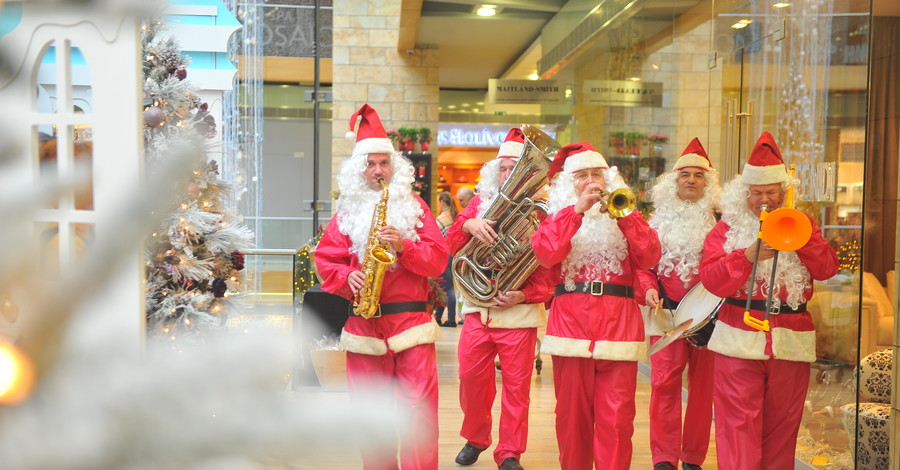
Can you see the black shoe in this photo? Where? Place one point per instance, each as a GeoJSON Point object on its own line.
{"type": "Point", "coordinates": [664, 466]}
{"type": "Point", "coordinates": [511, 463]}
{"type": "Point", "coordinates": [468, 455]}
{"type": "Point", "coordinates": [449, 323]}
{"type": "Point", "coordinates": [690, 466]}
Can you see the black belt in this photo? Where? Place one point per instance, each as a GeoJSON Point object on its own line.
{"type": "Point", "coordinates": [760, 305]}
{"type": "Point", "coordinates": [597, 288]}
{"type": "Point", "coordinates": [398, 307]}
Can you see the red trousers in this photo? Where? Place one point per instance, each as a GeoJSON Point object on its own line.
{"type": "Point", "coordinates": [594, 412]}
{"type": "Point", "coordinates": [478, 346]}
{"type": "Point", "coordinates": [410, 377]}
{"type": "Point", "coordinates": [668, 441]}
{"type": "Point", "coordinates": [758, 409]}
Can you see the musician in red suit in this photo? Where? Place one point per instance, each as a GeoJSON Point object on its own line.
{"type": "Point", "coordinates": [507, 329]}
{"type": "Point", "coordinates": [761, 377]}
{"type": "Point", "coordinates": [595, 332]}
{"type": "Point", "coordinates": [685, 203]}
{"type": "Point", "coordinates": [392, 354]}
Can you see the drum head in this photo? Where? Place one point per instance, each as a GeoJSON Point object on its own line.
{"type": "Point", "coordinates": [698, 305]}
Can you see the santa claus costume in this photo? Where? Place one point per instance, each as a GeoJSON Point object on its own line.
{"type": "Point", "coordinates": [509, 332]}
{"type": "Point", "coordinates": [682, 226]}
{"type": "Point", "coordinates": [595, 332]}
{"type": "Point", "coordinates": [761, 377]}
{"type": "Point", "coordinates": [393, 353]}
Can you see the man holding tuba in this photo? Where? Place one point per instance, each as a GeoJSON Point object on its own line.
{"type": "Point", "coordinates": [595, 331]}
{"type": "Point", "coordinates": [761, 377]}
{"type": "Point", "coordinates": [392, 353]}
{"type": "Point", "coordinates": [507, 329]}
{"type": "Point", "coordinates": [685, 203]}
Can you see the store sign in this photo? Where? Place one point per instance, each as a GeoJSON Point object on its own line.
{"type": "Point", "coordinates": [502, 91]}
{"type": "Point", "coordinates": [475, 135]}
{"type": "Point", "coordinates": [623, 93]}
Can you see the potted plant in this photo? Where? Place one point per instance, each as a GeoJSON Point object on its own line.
{"type": "Point", "coordinates": [407, 138]}
{"type": "Point", "coordinates": [394, 136]}
{"type": "Point", "coordinates": [424, 138]}
{"type": "Point", "coordinates": [656, 141]}
{"type": "Point", "coordinates": [617, 142]}
{"type": "Point", "coordinates": [633, 141]}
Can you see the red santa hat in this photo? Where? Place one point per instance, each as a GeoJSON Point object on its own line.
{"type": "Point", "coordinates": [370, 135]}
{"type": "Point", "coordinates": [694, 156]}
{"type": "Point", "coordinates": [514, 144]}
{"type": "Point", "coordinates": [575, 157]}
{"type": "Point", "coordinates": [765, 165]}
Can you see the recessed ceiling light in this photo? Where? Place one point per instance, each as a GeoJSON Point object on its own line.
{"type": "Point", "coordinates": [534, 76]}
{"type": "Point", "coordinates": [781, 5]}
{"type": "Point", "coordinates": [485, 9]}
{"type": "Point", "coordinates": [741, 24]}
{"type": "Point", "coordinates": [465, 105]}
{"type": "Point", "coordinates": [635, 79]}
{"type": "Point", "coordinates": [480, 103]}
{"type": "Point", "coordinates": [452, 106]}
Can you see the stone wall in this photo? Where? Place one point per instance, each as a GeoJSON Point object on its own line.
{"type": "Point", "coordinates": [402, 86]}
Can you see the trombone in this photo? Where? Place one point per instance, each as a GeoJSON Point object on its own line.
{"type": "Point", "coordinates": [784, 229]}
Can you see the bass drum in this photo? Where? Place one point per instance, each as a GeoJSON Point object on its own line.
{"type": "Point", "coordinates": [701, 307]}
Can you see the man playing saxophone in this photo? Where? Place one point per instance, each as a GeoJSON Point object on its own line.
{"type": "Point", "coordinates": [392, 352]}
{"type": "Point", "coordinates": [508, 329]}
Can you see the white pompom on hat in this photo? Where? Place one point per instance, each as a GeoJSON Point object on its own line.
{"type": "Point", "coordinates": [576, 157]}
{"type": "Point", "coordinates": [694, 156]}
{"type": "Point", "coordinates": [765, 165]}
{"type": "Point", "coordinates": [513, 145]}
{"type": "Point", "coordinates": [370, 135]}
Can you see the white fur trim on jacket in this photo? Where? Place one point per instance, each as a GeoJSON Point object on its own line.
{"type": "Point", "coordinates": [517, 316]}
{"type": "Point", "coordinates": [568, 347]}
{"type": "Point", "coordinates": [764, 174]}
{"type": "Point", "coordinates": [363, 344]}
{"type": "Point", "coordinates": [790, 345]}
{"type": "Point", "coordinates": [620, 350]}
{"type": "Point", "coordinates": [425, 333]}
{"type": "Point", "coordinates": [735, 342]}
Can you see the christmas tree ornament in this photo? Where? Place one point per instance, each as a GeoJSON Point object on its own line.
{"type": "Point", "coordinates": [154, 116]}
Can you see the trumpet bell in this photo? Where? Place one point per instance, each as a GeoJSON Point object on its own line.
{"type": "Point", "coordinates": [621, 202]}
{"type": "Point", "coordinates": [786, 229]}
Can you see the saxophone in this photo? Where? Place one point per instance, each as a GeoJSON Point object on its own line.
{"type": "Point", "coordinates": [378, 258]}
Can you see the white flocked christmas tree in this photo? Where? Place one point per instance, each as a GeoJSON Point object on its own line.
{"type": "Point", "coordinates": [193, 260]}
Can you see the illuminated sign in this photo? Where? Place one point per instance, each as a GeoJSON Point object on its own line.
{"type": "Point", "coordinates": [475, 135]}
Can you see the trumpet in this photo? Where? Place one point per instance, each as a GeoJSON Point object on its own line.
{"type": "Point", "coordinates": [619, 203]}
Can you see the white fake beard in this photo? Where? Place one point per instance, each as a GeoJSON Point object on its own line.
{"type": "Point", "coordinates": [743, 232]}
{"type": "Point", "coordinates": [488, 186]}
{"type": "Point", "coordinates": [598, 249]}
{"type": "Point", "coordinates": [682, 227]}
{"type": "Point", "coordinates": [356, 204]}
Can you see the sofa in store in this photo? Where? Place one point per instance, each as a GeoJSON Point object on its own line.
{"type": "Point", "coordinates": [874, 423]}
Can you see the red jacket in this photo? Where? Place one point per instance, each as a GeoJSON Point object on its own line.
{"type": "Point", "coordinates": [792, 336]}
{"type": "Point", "coordinates": [584, 325]}
{"type": "Point", "coordinates": [406, 281]}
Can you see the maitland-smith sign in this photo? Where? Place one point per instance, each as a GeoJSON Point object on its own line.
{"type": "Point", "coordinates": [501, 91]}
{"type": "Point", "coordinates": [622, 93]}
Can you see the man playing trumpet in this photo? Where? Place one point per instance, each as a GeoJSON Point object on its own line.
{"type": "Point", "coordinates": [595, 332]}
{"type": "Point", "coordinates": [761, 377]}
{"type": "Point", "coordinates": [684, 202]}
{"type": "Point", "coordinates": [507, 329]}
{"type": "Point", "coordinates": [392, 353]}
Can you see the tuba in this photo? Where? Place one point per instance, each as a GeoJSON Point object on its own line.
{"type": "Point", "coordinates": [378, 258]}
{"type": "Point", "coordinates": [481, 270]}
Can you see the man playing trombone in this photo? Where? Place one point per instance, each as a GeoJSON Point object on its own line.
{"type": "Point", "coordinates": [507, 329]}
{"type": "Point", "coordinates": [390, 356]}
{"type": "Point", "coordinates": [762, 353]}
{"type": "Point", "coordinates": [595, 332]}
{"type": "Point", "coordinates": [685, 202]}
